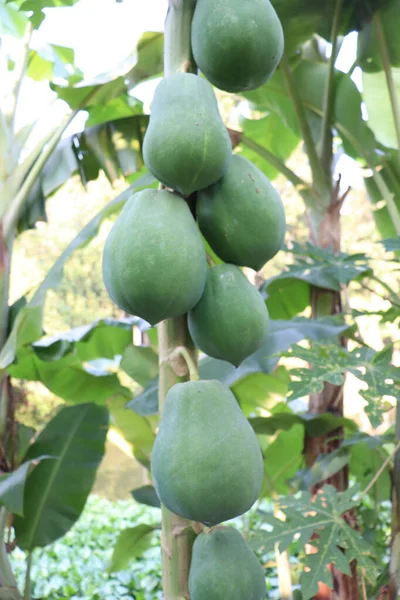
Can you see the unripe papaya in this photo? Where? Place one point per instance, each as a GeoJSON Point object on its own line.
{"type": "Point", "coordinates": [206, 461]}
{"type": "Point", "coordinates": [242, 216]}
{"type": "Point", "coordinates": [230, 321]}
{"type": "Point", "coordinates": [154, 261]}
{"type": "Point", "coordinates": [237, 44]}
{"type": "Point", "coordinates": [223, 566]}
{"type": "Point", "coordinates": [186, 146]}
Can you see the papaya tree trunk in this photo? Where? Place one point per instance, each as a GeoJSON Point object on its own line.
{"type": "Point", "coordinates": [325, 232]}
{"type": "Point", "coordinates": [177, 535]}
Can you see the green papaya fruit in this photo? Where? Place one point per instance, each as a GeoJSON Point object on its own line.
{"type": "Point", "coordinates": [223, 566]}
{"type": "Point", "coordinates": [242, 216]}
{"type": "Point", "coordinates": [186, 145]}
{"type": "Point", "coordinates": [154, 261]}
{"type": "Point", "coordinates": [206, 461]}
{"type": "Point", "coordinates": [237, 44]}
{"type": "Point", "coordinates": [230, 321]}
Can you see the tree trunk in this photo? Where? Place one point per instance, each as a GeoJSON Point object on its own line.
{"type": "Point", "coordinates": [326, 303]}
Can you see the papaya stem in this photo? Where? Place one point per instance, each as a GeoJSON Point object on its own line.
{"type": "Point", "coordinates": [190, 364]}
{"type": "Point", "coordinates": [176, 550]}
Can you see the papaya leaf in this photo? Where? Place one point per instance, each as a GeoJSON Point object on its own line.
{"type": "Point", "coordinates": [329, 363]}
{"type": "Point", "coordinates": [336, 542]}
{"type": "Point", "coordinates": [12, 486]}
{"type": "Point", "coordinates": [29, 318]}
{"type": "Point", "coordinates": [56, 490]}
{"type": "Point", "coordinates": [37, 6]}
{"type": "Point", "coordinates": [323, 268]}
{"type": "Point", "coordinates": [131, 543]}
{"type": "Point", "coordinates": [146, 495]}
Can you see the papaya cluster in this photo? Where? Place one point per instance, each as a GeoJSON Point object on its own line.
{"type": "Point", "coordinates": [206, 463]}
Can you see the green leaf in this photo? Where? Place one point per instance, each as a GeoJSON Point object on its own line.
{"type": "Point", "coordinates": [51, 60]}
{"type": "Point", "coordinates": [336, 542]}
{"type": "Point", "coordinates": [12, 486]}
{"type": "Point", "coordinates": [392, 245]}
{"type": "Point", "coordinates": [131, 543]}
{"type": "Point", "coordinates": [389, 170]}
{"type": "Point", "coordinates": [140, 363]}
{"type": "Point", "coordinates": [379, 107]}
{"type": "Point", "coordinates": [310, 80]}
{"type": "Point", "coordinates": [283, 456]}
{"type": "Point", "coordinates": [150, 57]}
{"type": "Point", "coordinates": [146, 403]}
{"type": "Point", "coordinates": [367, 454]}
{"type": "Point", "coordinates": [118, 108]}
{"type": "Point", "coordinates": [12, 21]}
{"type": "Point", "coordinates": [368, 55]}
{"type": "Point", "coordinates": [146, 495]}
{"type": "Point", "coordinates": [27, 326]}
{"type": "Point", "coordinates": [315, 425]}
{"type": "Point", "coordinates": [136, 430]}
{"type": "Point", "coordinates": [329, 363]}
{"type": "Point", "coordinates": [37, 6]}
{"type": "Point", "coordinates": [286, 297]}
{"type": "Point", "coordinates": [56, 491]}
{"type": "Point", "coordinates": [323, 268]}
{"type": "Point", "coordinates": [78, 365]}
{"type": "Point", "coordinates": [325, 466]}
{"type": "Point", "coordinates": [269, 132]}
{"type": "Point", "coordinates": [259, 390]}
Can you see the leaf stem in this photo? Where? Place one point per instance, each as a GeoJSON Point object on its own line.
{"type": "Point", "coordinates": [393, 94]}
{"type": "Point", "coordinates": [27, 589]}
{"type": "Point", "coordinates": [321, 181]}
{"type": "Point", "coordinates": [329, 96]}
{"type": "Point", "coordinates": [20, 76]}
{"type": "Point", "coordinates": [189, 360]}
{"type": "Point", "coordinates": [379, 471]}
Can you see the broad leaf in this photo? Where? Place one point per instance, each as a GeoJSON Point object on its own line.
{"type": "Point", "coordinates": [385, 215]}
{"type": "Point", "coordinates": [310, 80]}
{"type": "Point", "coordinates": [282, 457]}
{"type": "Point", "coordinates": [29, 319]}
{"type": "Point", "coordinates": [131, 543]}
{"type": "Point", "coordinates": [369, 56]}
{"type": "Point", "coordinates": [379, 107]}
{"type": "Point", "coordinates": [37, 6]}
{"type": "Point", "coordinates": [12, 486]}
{"type": "Point", "coordinates": [136, 430]}
{"type": "Point", "coordinates": [146, 495]}
{"type": "Point", "coordinates": [113, 147]}
{"type": "Point", "coordinates": [269, 132]}
{"type": "Point", "coordinates": [140, 363]}
{"type": "Point", "coordinates": [56, 491]}
{"type": "Point", "coordinates": [315, 425]}
{"type": "Point", "coordinates": [12, 21]}
{"type": "Point", "coordinates": [336, 543]}
{"type": "Point", "coordinates": [146, 403]}
{"type": "Point", "coordinates": [325, 466]}
{"type": "Point", "coordinates": [392, 245]}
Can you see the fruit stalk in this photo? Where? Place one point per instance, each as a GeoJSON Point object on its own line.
{"type": "Point", "coordinates": [177, 534]}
